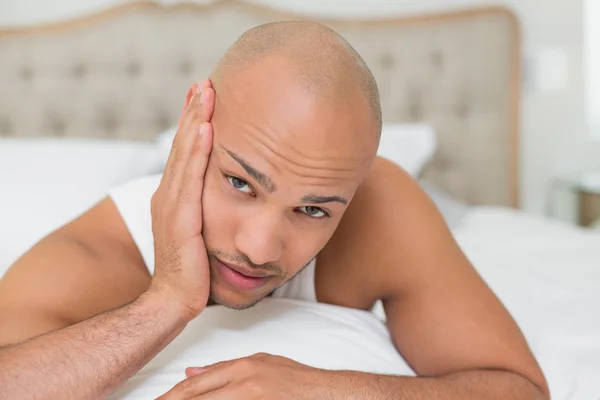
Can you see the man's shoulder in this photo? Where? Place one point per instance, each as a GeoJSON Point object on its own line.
{"type": "Point", "coordinates": [387, 207]}
{"type": "Point", "coordinates": [386, 179]}
{"type": "Point", "coordinates": [387, 190]}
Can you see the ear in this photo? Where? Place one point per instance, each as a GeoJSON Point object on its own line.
{"type": "Point", "coordinates": [190, 93]}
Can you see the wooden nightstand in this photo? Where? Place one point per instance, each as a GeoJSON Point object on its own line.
{"type": "Point", "coordinates": [576, 199]}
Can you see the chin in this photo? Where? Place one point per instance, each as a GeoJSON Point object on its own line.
{"type": "Point", "coordinates": [233, 299]}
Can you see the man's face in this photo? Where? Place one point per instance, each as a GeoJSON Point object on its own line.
{"type": "Point", "coordinates": [284, 166]}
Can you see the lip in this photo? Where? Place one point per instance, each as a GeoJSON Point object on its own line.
{"type": "Point", "coordinates": [251, 273]}
{"type": "Point", "coordinates": [241, 278]}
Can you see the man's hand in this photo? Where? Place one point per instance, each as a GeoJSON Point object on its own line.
{"type": "Point", "coordinates": [181, 265]}
{"type": "Point", "coordinates": [261, 376]}
{"type": "Point", "coordinates": [267, 377]}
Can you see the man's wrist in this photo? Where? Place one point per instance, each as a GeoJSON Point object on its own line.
{"type": "Point", "coordinates": [159, 300]}
{"type": "Point", "coordinates": [352, 385]}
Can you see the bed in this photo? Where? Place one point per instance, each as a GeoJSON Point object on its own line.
{"type": "Point", "coordinates": [81, 99]}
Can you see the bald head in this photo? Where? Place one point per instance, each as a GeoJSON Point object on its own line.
{"type": "Point", "coordinates": [296, 121]}
{"type": "Point", "coordinates": [323, 63]}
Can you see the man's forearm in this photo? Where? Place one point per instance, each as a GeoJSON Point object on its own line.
{"type": "Point", "coordinates": [90, 359]}
{"type": "Point", "coordinates": [480, 384]}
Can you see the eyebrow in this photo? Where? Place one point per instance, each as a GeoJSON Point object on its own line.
{"type": "Point", "coordinates": [316, 199]}
{"type": "Point", "coordinates": [262, 179]}
{"type": "Point", "coordinates": [266, 182]}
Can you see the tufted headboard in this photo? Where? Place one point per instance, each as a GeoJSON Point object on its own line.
{"type": "Point", "coordinates": [124, 73]}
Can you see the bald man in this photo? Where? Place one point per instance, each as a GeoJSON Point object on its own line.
{"type": "Point", "coordinates": [272, 175]}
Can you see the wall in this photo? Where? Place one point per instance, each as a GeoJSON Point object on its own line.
{"type": "Point", "coordinates": [554, 137]}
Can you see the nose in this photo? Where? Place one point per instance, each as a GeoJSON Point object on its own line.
{"type": "Point", "coordinates": [260, 238]}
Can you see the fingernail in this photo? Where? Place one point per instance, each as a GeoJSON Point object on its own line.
{"type": "Point", "coordinates": [202, 130]}
{"type": "Point", "coordinates": [201, 98]}
{"type": "Point", "coordinates": [194, 371]}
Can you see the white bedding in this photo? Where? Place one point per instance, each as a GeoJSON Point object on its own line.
{"type": "Point", "coordinates": [320, 335]}
{"type": "Point", "coordinates": [547, 274]}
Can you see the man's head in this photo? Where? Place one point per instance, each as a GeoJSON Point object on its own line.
{"type": "Point", "coordinates": [296, 128]}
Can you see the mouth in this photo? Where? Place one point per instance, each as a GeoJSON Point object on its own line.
{"type": "Point", "coordinates": [241, 277]}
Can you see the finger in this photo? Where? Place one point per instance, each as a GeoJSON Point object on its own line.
{"type": "Point", "coordinates": [220, 364]}
{"type": "Point", "coordinates": [193, 371]}
{"type": "Point", "coordinates": [191, 95]}
{"type": "Point", "coordinates": [199, 105]}
{"type": "Point", "coordinates": [205, 84]}
{"type": "Point", "coordinates": [200, 98]}
{"type": "Point", "coordinates": [185, 138]}
{"type": "Point", "coordinates": [192, 184]}
{"type": "Point", "coordinates": [192, 115]}
{"type": "Point", "coordinates": [196, 87]}
{"type": "Point", "coordinates": [210, 381]}
{"type": "Point", "coordinates": [229, 392]}
{"type": "Point", "coordinates": [193, 89]}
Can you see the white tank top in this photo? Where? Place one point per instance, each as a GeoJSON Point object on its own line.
{"type": "Point", "coordinates": [133, 202]}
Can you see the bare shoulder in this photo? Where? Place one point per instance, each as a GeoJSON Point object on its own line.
{"type": "Point", "coordinates": [389, 210]}
{"type": "Point", "coordinates": [86, 267]}
{"type": "Point", "coordinates": [394, 246]}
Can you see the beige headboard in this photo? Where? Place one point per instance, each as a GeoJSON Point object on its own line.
{"type": "Point", "coordinates": [124, 72]}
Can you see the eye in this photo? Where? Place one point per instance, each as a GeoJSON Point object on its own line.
{"type": "Point", "coordinates": [239, 184]}
{"type": "Point", "coordinates": [314, 212]}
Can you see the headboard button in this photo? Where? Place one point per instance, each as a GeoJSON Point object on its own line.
{"type": "Point", "coordinates": [163, 122]}
{"type": "Point", "coordinates": [462, 110]}
{"type": "Point", "coordinates": [185, 67]}
{"type": "Point", "coordinates": [6, 128]}
{"type": "Point", "coordinates": [79, 71]}
{"type": "Point", "coordinates": [57, 126]}
{"type": "Point", "coordinates": [26, 73]}
{"type": "Point", "coordinates": [109, 125]}
{"type": "Point", "coordinates": [387, 61]}
{"type": "Point", "coordinates": [437, 59]}
{"type": "Point", "coordinates": [415, 112]}
{"type": "Point", "coordinates": [133, 68]}
{"type": "Point", "coordinates": [440, 162]}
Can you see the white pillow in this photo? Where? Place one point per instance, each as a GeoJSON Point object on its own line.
{"type": "Point", "coordinates": [319, 335]}
{"type": "Point", "coordinates": [44, 183]}
{"type": "Point", "coordinates": [411, 146]}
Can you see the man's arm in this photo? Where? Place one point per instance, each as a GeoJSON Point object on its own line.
{"type": "Point", "coordinates": [67, 277]}
{"type": "Point", "coordinates": [465, 385]}
{"type": "Point", "coordinates": [54, 346]}
{"type": "Point", "coordinates": [90, 359]}
{"type": "Point", "coordinates": [87, 267]}
{"type": "Point", "coordinates": [265, 376]}
{"type": "Point", "coordinates": [443, 318]}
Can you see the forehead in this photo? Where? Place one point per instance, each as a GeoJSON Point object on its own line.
{"type": "Point", "coordinates": [264, 110]}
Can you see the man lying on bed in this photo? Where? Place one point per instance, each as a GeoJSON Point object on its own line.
{"type": "Point", "coordinates": [292, 175]}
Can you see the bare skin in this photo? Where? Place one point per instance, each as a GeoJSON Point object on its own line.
{"type": "Point", "coordinates": [95, 315]}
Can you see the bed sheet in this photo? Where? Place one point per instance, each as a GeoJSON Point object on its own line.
{"type": "Point", "coordinates": [547, 274]}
